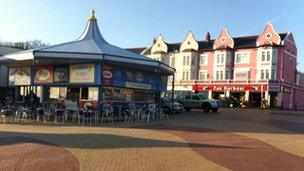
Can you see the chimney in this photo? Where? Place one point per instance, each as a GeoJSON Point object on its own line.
{"type": "Point", "coordinates": [154, 41]}
{"type": "Point", "coordinates": [208, 37]}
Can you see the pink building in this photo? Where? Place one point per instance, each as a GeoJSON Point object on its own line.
{"type": "Point", "coordinates": [249, 68]}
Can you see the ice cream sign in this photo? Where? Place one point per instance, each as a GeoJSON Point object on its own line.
{"type": "Point", "coordinates": [107, 75]}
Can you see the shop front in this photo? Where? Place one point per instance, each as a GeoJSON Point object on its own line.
{"type": "Point", "coordinates": [254, 94]}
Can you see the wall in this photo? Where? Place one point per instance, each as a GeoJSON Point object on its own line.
{"type": "Point", "coordinates": [3, 76]}
{"type": "Point", "coordinates": [299, 102]}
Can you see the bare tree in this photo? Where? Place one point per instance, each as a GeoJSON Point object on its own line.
{"type": "Point", "coordinates": [29, 44]}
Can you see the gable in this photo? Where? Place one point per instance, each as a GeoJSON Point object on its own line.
{"type": "Point", "coordinates": [268, 37]}
{"type": "Point", "coordinates": [224, 40]}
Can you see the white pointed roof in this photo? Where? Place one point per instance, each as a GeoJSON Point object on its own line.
{"type": "Point", "coordinates": [91, 41]}
{"type": "Point", "coordinates": [89, 46]}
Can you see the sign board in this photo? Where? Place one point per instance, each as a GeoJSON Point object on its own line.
{"type": "Point", "coordinates": [230, 87]}
{"type": "Point", "coordinates": [83, 104]}
{"type": "Point", "coordinates": [61, 74]}
{"type": "Point", "coordinates": [138, 85]}
{"type": "Point", "coordinates": [44, 74]}
{"type": "Point", "coordinates": [108, 75]}
{"type": "Point", "coordinates": [274, 88]}
{"type": "Point", "coordinates": [82, 73]}
{"type": "Point", "coordinates": [20, 76]}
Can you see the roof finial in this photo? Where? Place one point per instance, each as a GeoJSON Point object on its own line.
{"type": "Point", "coordinates": [92, 15]}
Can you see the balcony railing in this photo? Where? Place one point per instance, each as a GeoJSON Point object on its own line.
{"type": "Point", "coordinates": [228, 81]}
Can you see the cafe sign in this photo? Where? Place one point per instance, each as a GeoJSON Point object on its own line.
{"type": "Point", "coordinates": [82, 73]}
{"type": "Point", "coordinates": [231, 87]}
{"type": "Point", "coordinates": [44, 74]}
{"type": "Point", "coordinates": [138, 85]}
{"type": "Point", "coordinates": [20, 76]}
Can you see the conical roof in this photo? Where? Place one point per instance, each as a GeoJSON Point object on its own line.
{"type": "Point", "coordinates": [89, 46]}
{"type": "Point", "coordinates": [92, 42]}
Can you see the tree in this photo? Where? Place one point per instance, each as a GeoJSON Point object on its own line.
{"type": "Point", "coordinates": [25, 45]}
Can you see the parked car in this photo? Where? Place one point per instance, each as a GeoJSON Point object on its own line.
{"type": "Point", "coordinates": [230, 102]}
{"type": "Point", "coordinates": [199, 101]}
{"type": "Point", "coordinates": [166, 103]}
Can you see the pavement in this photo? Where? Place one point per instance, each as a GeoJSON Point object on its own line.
{"type": "Point", "coordinates": [232, 139]}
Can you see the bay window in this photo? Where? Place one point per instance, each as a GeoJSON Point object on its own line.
{"type": "Point", "coordinates": [268, 55]}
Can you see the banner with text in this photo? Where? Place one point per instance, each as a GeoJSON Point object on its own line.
{"type": "Point", "coordinates": [82, 73]}
{"type": "Point", "coordinates": [20, 76]}
{"type": "Point", "coordinates": [44, 74]}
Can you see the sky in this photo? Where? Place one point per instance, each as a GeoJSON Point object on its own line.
{"type": "Point", "coordinates": [134, 23]}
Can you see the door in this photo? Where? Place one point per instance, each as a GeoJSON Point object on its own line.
{"type": "Point", "coordinates": [196, 102]}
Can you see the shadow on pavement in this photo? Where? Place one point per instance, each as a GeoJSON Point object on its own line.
{"type": "Point", "coordinates": [96, 141]}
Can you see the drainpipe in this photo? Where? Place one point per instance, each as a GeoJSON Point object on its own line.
{"type": "Point", "coordinates": [172, 95]}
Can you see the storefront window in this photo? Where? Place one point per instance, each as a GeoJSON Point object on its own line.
{"type": "Point", "coordinates": [58, 92]}
{"type": "Point", "coordinates": [125, 95]}
{"type": "Point", "coordinates": [93, 93]}
{"type": "Point", "coordinates": [74, 93]}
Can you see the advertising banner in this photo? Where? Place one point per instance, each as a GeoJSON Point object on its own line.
{"type": "Point", "coordinates": [84, 104]}
{"type": "Point", "coordinates": [61, 74]}
{"type": "Point", "coordinates": [108, 75]}
{"type": "Point", "coordinates": [82, 73]}
{"type": "Point", "coordinates": [20, 76]}
{"type": "Point", "coordinates": [44, 74]}
{"type": "Point", "coordinates": [126, 77]}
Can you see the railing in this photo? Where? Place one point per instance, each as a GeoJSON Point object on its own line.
{"type": "Point", "coordinates": [228, 81]}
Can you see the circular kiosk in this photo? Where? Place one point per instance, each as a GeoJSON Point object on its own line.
{"type": "Point", "coordinates": [86, 70]}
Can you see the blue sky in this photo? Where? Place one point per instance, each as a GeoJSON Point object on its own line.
{"type": "Point", "coordinates": [135, 23]}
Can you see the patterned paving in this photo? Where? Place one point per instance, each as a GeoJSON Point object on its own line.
{"type": "Point", "coordinates": [234, 151]}
{"type": "Point", "coordinates": [229, 140]}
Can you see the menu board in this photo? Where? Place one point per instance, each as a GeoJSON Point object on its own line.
{"type": "Point", "coordinates": [44, 74]}
{"type": "Point", "coordinates": [20, 76]}
{"type": "Point", "coordinates": [82, 73]}
{"type": "Point", "coordinates": [61, 74]}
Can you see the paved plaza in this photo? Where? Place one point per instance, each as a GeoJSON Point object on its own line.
{"type": "Point", "coordinates": [232, 139]}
